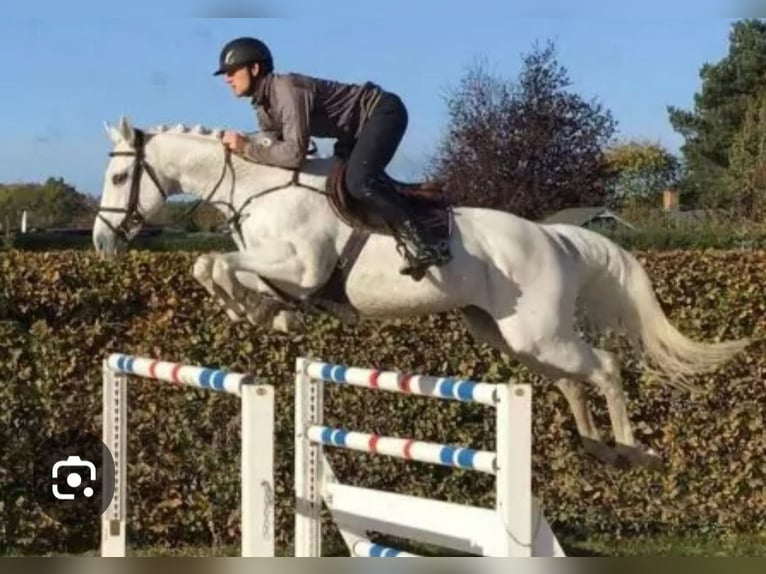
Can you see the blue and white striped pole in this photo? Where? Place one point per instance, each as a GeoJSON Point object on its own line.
{"type": "Point", "coordinates": [257, 415]}
{"type": "Point", "coordinates": [447, 388]}
{"type": "Point", "coordinates": [405, 448]}
{"type": "Point", "coordinates": [506, 530]}
{"type": "Point", "coordinates": [367, 549]}
{"type": "Point", "coordinates": [190, 375]}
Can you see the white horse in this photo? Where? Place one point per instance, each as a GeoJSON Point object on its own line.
{"type": "Point", "coordinates": [518, 284]}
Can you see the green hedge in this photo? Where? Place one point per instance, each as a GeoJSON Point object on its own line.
{"type": "Point", "coordinates": [61, 313]}
{"type": "Point", "coordinates": [167, 241]}
{"type": "Point", "coordinates": [652, 236]}
{"type": "Point", "coordinates": [688, 237]}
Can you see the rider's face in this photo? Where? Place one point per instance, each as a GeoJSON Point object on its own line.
{"type": "Point", "coordinates": [239, 79]}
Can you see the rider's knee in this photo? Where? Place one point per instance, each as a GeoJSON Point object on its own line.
{"type": "Point", "coordinates": [356, 184]}
{"type": "Point", "coordinates": [402, 113]}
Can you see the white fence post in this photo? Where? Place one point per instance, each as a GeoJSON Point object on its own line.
{"type": "Point", "coordinates": [257, 445]}
{"type": "Point", "coordinates": [257, 471]}
{"type": "Point", "coordinates": [514, 527]}
{"type": "Point", "coordinates": [114, 431]}
{"type": "Point", "coordinates": [308, 464]}
{"type": "Point", "coordinates": [514, 473]}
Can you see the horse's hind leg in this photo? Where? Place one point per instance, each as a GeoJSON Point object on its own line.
{"type": "Point", "coordinates": [483, 329]}
{"type": "Point", "coordinates": [562, 354]}
{"type": "Point", "coordinates": [575, 395]}
{"type": "Point", "coordinates": [608, 379]}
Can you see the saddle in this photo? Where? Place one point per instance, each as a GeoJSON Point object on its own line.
{"type": "Point", "coordinates": [428, 200]}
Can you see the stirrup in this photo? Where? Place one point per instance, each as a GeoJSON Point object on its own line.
{"type": "Point", "coordinates": [416, 267]}
{"type": "Point", "coordinates": [416, 270]}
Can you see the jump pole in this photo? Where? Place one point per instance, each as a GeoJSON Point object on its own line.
{"type": "Point", "coordinates": [257, 458]}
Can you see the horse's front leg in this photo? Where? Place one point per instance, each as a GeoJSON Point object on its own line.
{"type": "Point", "coordinates": [203, 273]}
{"type": "Point", "coordinates": [227, 296]}
{"type": "Point", "coordinates": [239, 274]}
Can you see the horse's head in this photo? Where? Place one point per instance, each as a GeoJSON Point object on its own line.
{"type": "Point", "coordinates": [133, 191]}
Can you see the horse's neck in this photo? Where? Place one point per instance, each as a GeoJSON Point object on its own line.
{"type": "Point", "coordinates": [198, 167]}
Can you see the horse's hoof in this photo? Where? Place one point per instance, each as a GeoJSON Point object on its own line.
{"type": "Point", "coordinates": [233, 316]}
{"type": "Point", "coordinates": [286, 322]}
{"type": "Point", "coordinates": [640, 456]}
{"type": "Point", "coordinates": [262, 310]}
{"type": "Point", "coordinates": [600, 451]}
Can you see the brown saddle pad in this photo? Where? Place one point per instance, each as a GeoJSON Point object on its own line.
{"type": "Point", "coordinates": [429, 201]}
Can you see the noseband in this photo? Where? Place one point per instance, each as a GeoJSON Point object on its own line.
{"type": "Point", "coordinates": [133, 216]}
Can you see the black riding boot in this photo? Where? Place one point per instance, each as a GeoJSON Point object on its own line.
{"type": "Point", "coordinates": [421, 249]}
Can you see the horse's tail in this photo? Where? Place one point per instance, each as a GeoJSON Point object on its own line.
{"type": "Point", "coordinates": [620, 295]}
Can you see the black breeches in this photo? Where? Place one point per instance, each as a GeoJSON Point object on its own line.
{"type": "Point", "coordinates": [377, 143]}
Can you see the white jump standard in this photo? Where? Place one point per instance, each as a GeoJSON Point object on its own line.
{"type": "Point", "coordinates": [515, 527]}
{"type": "Point", "coordinates": [257, 444]}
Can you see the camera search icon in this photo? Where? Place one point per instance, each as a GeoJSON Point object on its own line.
{"type": "Point", "coordinates": [73, 478]}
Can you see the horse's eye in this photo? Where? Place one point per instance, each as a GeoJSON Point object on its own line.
{"type": "Point", "coordinates": [120, 178]}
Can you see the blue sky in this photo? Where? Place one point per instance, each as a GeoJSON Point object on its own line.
{"type": "Point", "coordinates": [64, 74]}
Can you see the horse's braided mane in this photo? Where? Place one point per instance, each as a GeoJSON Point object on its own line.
{"type": "Point", "coordinates": [197, 130]}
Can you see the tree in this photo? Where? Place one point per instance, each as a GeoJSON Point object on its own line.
{"type": "Point", "coordinates": [746, 176]}
{"type": "Point", "coordinates": [642, 170]}
{"type": "Point", "coordinates": [189, 215]}
{"type": "Point", "coordinates": [728, 86]}
{"type": "Point", "coordinates": [529, 146]}
{"type": "Point", "coordinates": [54, 203]}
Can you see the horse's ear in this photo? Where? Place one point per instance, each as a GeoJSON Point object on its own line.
{"type": "Point", "coordinates": [112, 132]}
{"type": "Point", "coordinates": [126, 130]}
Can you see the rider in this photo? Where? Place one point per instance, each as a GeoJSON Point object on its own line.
{"type": "Point", "coordinates": [367, 123]}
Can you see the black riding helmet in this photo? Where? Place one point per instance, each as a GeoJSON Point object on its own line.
{"type": "Point", "coordinates": [242, 52]}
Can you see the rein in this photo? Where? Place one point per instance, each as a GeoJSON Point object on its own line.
{"type": "Point", "coordinates": [134, 218]}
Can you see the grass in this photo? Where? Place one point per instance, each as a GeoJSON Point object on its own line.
{"type": "Point", "coordinates": [744, 545]}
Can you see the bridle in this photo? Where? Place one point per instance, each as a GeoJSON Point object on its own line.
{"type": "Point", "coordinates": [133, 216]}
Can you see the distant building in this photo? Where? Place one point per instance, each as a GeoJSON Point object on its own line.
{"type": "Point", "coordinates": [595, 218]}
{"type": "Point", "coordinates": [671, 206]}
